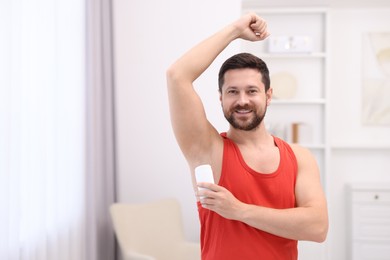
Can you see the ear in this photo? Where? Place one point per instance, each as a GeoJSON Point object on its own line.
{"type": "Point", "coordinates": [269, 96]}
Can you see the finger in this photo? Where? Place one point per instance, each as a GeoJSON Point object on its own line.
{"type": "Point", "coordinates": [208, 185]}
{"type": "Point", "coordinates": [206, 193]}
{"type": "Point", "coordinates": [260, 31]}
{"type": "Point", "coordinates": [206, 206]}
{"type": "Point", "coordinates": [265, 35]}
{"type": "Point", "coordinates": [262, 35]}
{"type": "Point", "coordinates": [202, 193]}
{"type": "Point", "coordinates": [258, 23]}
{"type": "Point", "coordinates": [253, 17]}
{"type": "Point", "coordinates": [207, 202]}
{"type": "Point", "coordinates": [263, 25]}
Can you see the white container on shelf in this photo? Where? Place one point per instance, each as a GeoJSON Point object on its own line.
{"type": "Point", "coordinates": [290, 44]}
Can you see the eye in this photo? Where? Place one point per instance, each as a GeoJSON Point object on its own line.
{"type": "Point", "coordinates": [231, 91]}
{"type": "Point", "coordinates": [252, 91]}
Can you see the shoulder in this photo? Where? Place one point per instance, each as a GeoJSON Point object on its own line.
{"type": "Point", "coordinates": [299, 150]}
{"type": "Point", "coordinates": [304, 156]}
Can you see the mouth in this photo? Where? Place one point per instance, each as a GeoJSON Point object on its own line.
{"type": "Point", "coordinates": [243, 111]}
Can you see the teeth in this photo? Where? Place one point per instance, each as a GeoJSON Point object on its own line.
{"type": "Point", "coordinates": [243, 111]}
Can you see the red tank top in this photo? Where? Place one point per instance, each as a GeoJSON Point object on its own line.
{"type": "Point", "coordinates": [223, 239]}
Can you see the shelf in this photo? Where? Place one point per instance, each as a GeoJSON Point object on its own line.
{"type": "Point", "coordinates": [360, 147]}
{"type": "Point", "coordinates": [313, 146]}
{"type": "Point", "coordinates": [313, 55]}
{"type": "Point", "coordinates": [318, 101]}
{"type": "Point", "coordinates": [370, 239]}
{"type": "Point", "coordinates": [369, 186]}
{"type": "Point", "coordinates": [275, 9]}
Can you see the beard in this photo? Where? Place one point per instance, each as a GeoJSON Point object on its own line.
{"type": "Point", "coordinates": [252, 123]}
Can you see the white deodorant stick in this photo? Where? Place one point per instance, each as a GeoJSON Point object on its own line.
{"type": "Point", "coordinates": [204, 173]}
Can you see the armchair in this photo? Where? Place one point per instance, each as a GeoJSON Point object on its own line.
{"type": "Point", "coordinates": [152, 231]}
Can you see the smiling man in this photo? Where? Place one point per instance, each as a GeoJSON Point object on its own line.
{"type": "Point", "coordinates": [240, 102]}
{"type": "Point", "coordinates": [268, 193]}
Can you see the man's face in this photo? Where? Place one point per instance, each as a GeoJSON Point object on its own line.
{"type": "Point", "coordinates": [243, 98]}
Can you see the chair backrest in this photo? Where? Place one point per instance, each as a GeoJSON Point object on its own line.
{"type": "Point", "coordinates": [153, 228]}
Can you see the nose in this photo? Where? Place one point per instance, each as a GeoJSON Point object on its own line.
{"type": "Point", "coordinates": [242, 99]}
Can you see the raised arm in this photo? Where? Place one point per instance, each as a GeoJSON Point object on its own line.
{"type": "Point", "coordinates": [195, 135]}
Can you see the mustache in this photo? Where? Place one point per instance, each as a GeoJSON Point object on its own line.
{"type": "Point", "coordinates": [246, 107]}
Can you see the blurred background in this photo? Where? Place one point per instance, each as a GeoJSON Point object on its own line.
{"type": "Point", "coordinates": [84, 118]}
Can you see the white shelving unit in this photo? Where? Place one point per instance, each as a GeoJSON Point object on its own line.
{"type": "Point", "coordinates": [308, 107]}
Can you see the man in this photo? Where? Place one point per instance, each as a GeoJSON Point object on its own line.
{"type": "Point", "coordinates": [267, 193]}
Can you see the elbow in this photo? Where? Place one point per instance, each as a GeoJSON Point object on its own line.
{"type": "Point", "coordinates": [173, 75]}
{"type": "Point", "coordinates": [170, 74]}
{"type": "Point", "coordinates": [316, 229]}
{"type": "Point", "coordinates": [319, 226]}
{"type": "Point", "coordinates": [320, 232]}
{"type": "Point", "coordinates": [170, 71]}
{"type": "Point", "coordinates": [320, 237]}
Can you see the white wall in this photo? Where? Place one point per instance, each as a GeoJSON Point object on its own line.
{"type": "Point", "coordinates": [346, 31]}
{"type": "Point", "coordinates": [150, 35]}
{"type": "Point", "coordinates": [355, 158]}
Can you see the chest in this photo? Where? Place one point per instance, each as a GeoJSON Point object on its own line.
{"type": "Point", "coordinates": [264, 161]}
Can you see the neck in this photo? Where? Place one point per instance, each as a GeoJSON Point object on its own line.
{"type": "Point", "coordinates": [257, 136]}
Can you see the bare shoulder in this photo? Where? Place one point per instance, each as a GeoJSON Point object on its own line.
{"type": "Point", "coordinates": [301, 153]}
{"type": "Point", "coordinates": [298, 149]}
{"type": "Point", "coordinates": [307, 162]}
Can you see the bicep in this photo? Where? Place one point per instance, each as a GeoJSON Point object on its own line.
{"type": "Point", "coordinates": [308, 189]}
{"type": "Point", "coordinates": [192, 130]}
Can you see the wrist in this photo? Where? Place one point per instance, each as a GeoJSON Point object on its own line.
{"type": "Point", "coordinates": [233, 31]}
{"type": "Point", "coordinates": [243, 212]}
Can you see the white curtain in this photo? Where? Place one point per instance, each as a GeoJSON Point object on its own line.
{"type": "Point", "coordinates": [53, 195]}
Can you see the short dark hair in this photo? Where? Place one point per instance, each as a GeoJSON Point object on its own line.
{"type": "Point", "coordinates": [243, 61]}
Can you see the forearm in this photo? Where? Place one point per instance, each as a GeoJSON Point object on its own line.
{"type": "Point", "coordinates": [301, 223]}
{"type": "Point", "coordinates": [193, 63]}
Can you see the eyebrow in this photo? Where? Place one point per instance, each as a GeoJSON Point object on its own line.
{"type": "Point", "coordinates": [247, 87]}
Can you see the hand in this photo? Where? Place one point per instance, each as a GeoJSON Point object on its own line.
{"type": "Point", "coordinates": [220, 200]}
{"type": "Point", "coordinates": [252, 27]}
